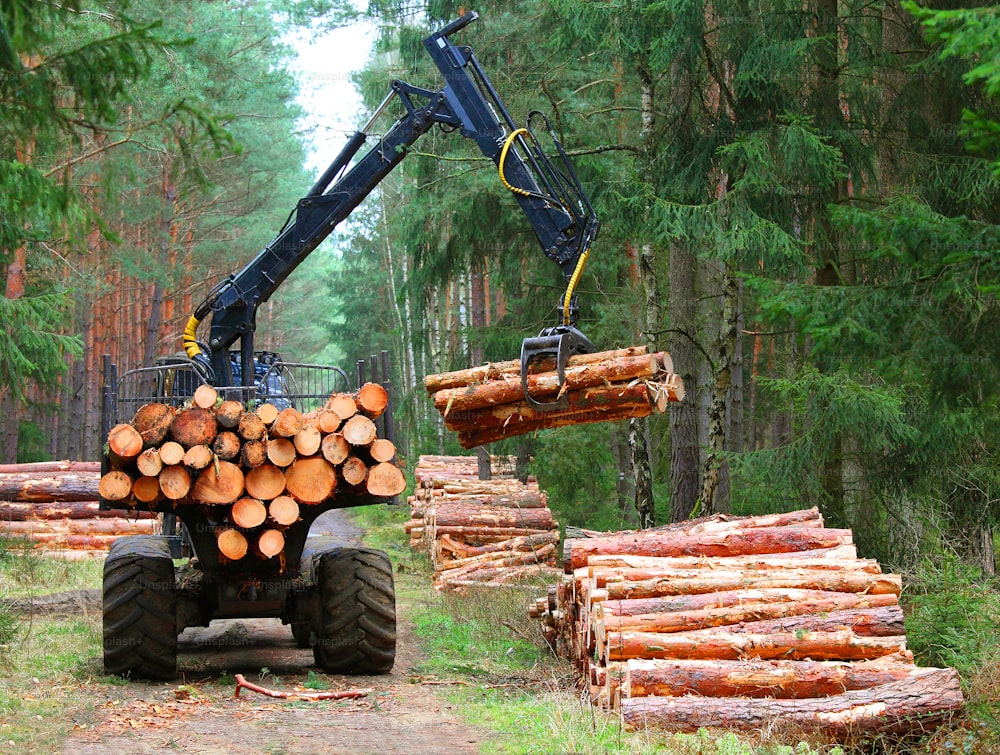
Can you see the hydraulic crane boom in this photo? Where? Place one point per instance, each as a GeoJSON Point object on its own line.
{"type": "Point", "coordinates": [550, 195]}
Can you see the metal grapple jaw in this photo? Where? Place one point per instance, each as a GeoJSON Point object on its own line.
{"type": "Point", "coordinates": [561, 342]}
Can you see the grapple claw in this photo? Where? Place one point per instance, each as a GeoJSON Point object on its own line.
{"type": "Point", "coordinates": [561, 341]}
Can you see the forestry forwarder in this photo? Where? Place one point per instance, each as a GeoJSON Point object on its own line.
{"type": "Point", "coordinates": [338, 600]}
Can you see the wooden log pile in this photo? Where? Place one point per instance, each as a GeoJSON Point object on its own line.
{"type": "Point", "coordinates": [53, 505]}
{"type": "Point", "coordinates": [739, 621]}
{"type": "Point", "coordinates": [251, 469]}
{"type": "Point", "coordinates": [486, 403]}
{"type": "Point", "coordinates": [480, 533]}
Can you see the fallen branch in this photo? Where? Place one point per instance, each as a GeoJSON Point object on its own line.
{"type": "Point", "coordinates": [344, 694]}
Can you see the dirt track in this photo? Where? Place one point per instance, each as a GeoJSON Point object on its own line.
{"type": "Point", "coordinates": [400, 715]}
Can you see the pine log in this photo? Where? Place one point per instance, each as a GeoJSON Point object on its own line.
{"type": "Point", "coordinates": [372, 399]}
{"type": "Point", "coordinates": [229, 414]}
{"type": "Point", "coordinates": [227, 445]}
{"type": "Point", "coordinates": [507, 388]}
{"type": "Point", "coordinates": [125, 441]}
{"type": "Point", "coordinates": [270, 543]}
{"type": "Point", "coordinates": [248, 512]}
{"type": "Point", "coordinates": [147, 489]}
{"type": "Point", "coordinates": [522, 543]}
{"type": "Point", "coordinates": [382, 449]}
{"type": "Point", "coordinates": [736, 543]}
{"type": "Point", "coordinates": [287, 424]}
{"type": "Point", "coordinates": [11, 511]}
{"type": "Point", "coordinates": [744, 609]}
{"type": "Point", "coordinates": [908, 705]}
{"type": "Point", "coordinates": [328, 421]}
{"type": "Point", "coordinates": [283, 510]}
{"type": "Point", "coordinates": [115, 486]}
{"type": "Point", "coordinates": [253, 454]}
{"type": "Point", "coordinates": [496, 370]}
{"type": "Point", "coordinates": [343, 405]}
{"type": "Point", "coordinates": [311, 480]}
{"type": "Point", "coordinates": [463, 515]}
{"type": "Point", "coordinates": [818, 580]}
{"type": "Point", "coordinates": [94, 526]}
{"type": "Point", "coordinates": [307, 440]}
{"type": "Point", "coordinates": [171, 453]}
{"type": "Point", "coordinates": [280, 451]}
{"type": "Point", "coordinates": [761, 562]}
{"type": "Point", "coordinates": [780, 679]}
{"type": "Point", "coordinates": [49, 486]}
{"type": "Point", "coordinates": [265, 482]}
{"type": "Point", "coordinates": [152, 421]}
{"type": "Point", "coordinates": [498, 558]}
{"type": "Point", "coordinates": [385, 480]}
{"type": "Point", "coordinates": [73, 542]}
{"type": "Point", "coordinates": [486, 534]}
{"type": "Point", "coordinates": [251, 426]}
{"type": "Point", "coordinates": [267, 413]}
{"type": "Point", "coordinates": [205, 396]}
{"type": "Point", "coordinates": [220, 483]}
{"type": "Point", "coordinates": [65, 465]}
{"type": "Point", "coordinates": [149, 462]}
{"type": "Point", "coordinates": [175, 482]}
{"type": "Point", "coordinates": [232, 544]}
{"type": "Point", "coordinates": [194, 427]}
{"type": "Point", "coordinates": [353, 471]}
{"type": "Point", "coordinates": [359, 430]}
{"type": "Point", "coordinates": [335, 449]}
{"type": "Point", "coordinates": [198, 457]}
{"type": "Point", "coordinates": [839, 645]}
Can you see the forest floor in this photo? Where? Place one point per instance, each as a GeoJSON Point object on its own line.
{"type": "Point", "coordinates": [402, 713]}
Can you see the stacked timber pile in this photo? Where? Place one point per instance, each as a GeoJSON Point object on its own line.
{"type": "Point", "coordinates": [480, 533]}
{"type": "Point", "coordinates": [485, 404]}
{"type": "Point", "coordinates": [738, 622]}
{"type": "Point", "coordinates": [251, 469]}
{"type": "Point", "coordinates": [53, 505]}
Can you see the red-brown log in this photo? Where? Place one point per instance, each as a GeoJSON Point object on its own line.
{"type": "Point", "coordinates": [806, 580]}
{"type": "Point", "coordinates": [147, 489]}
{"type": "Point", "coordinates": [328, 421]}
{"type": "Point", "coordinates": [265, 482]}
{"type": "Point", "coordinates": [219, 483]}
{"type": "Point", "coordinates": [741, 542]}
{"type": "Point", "coordinates": [909, 705]}
{"type": "Point", "coordinates": [385, 480]}
{"type": "Point", "coordinates": [840, 645]}
{"type": "Point", "coordinates": [372, 399]}
{"type": "Point", "coordinates": [193, 427]}
{"type": "Point", "coordinates": [287, 424]}
{"type": "Point", "coordinates": [310, 480]}
{"type": "Point", "coordinates": [95, 526]}
{"type": "Point", "coordinates": [248, 512]}
{"type": "Point", "coordinates": [232, 544]}
{"type": "Point", "coordinates": [343, 405]}
{"type": "Point", "coordinates": [175, 482]}
{"type": "Point", "coordinates": [65, 465]}
{"type": "Point", "coordinates": [20, 512]}
{"type": "Point", "coordinates": [283, 510]}
{"type": "Point", "coordinates": [49, 486]}
{"type": "Point", "coordinates": [456, 514]}
{"type": "Point", "coordinates": [756, 678]}
{"type": "Point", "coordinates": [115, 486]}
{"type": "Point", "coordinates": [152, 422]}
{"type": "Point", "coordinates": [280, 451]}
{"type": "Point", "coordinates": [125, 441]}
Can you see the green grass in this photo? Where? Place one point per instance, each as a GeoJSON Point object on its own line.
{"type": "Point", "coordinates": [25, 571]}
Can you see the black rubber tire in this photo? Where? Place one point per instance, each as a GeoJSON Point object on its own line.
{"type": "Point", "coordinates": [357, 632]}
{"type": "Point", "coordinates": [302, 632]}
{"type": "Point", "coordinates": [140, 609]}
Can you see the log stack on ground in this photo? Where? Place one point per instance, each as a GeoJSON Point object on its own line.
{"type": "Point", "coordinates": [53, 506]}
{"type": "Point", "coordinates": [480, 533]}
{"type": "Point", "coordinates": [741, 621]}
{"type": "Point", "coordinates": [251, 470]}
{"type": "Point", "coordinates": [485, 404]}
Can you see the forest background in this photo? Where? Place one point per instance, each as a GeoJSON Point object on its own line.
{"type": "Point", "coordinates": [799, 200]}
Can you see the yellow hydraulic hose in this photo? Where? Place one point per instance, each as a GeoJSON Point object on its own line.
{"type": "Point", "coordinates": [189, 341]}
{"type": "Point", "coordinates": [571, 286]}
{"type": "Point", "coordinates": [503, 158]}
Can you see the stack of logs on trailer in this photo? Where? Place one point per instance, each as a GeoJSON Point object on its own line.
{"type": "Point", "coordinates": [253, 469]}
{"type": "Point", "coordinates": [486, 403]}
{"type": "Point", "coordinates": [53, 506]}
{"type": "Point", "coordinates": [480, 533]}
{"type": "Point", "coordinates": [740, 622]}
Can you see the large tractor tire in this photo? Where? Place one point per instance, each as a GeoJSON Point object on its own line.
{"type": "Point", "coordinates": [357, 623]}
{"type": "Point", "coordinates": [140, 609]}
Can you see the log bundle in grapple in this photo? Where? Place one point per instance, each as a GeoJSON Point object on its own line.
{"type": "Point", "coordinates": [487, 403]}
{"type": "Point", "coordinates": [480, 533]}
{"type": "Point", "coordinates": [250, 470]}
{"type": "Point", "coordinates": [740, 621]}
